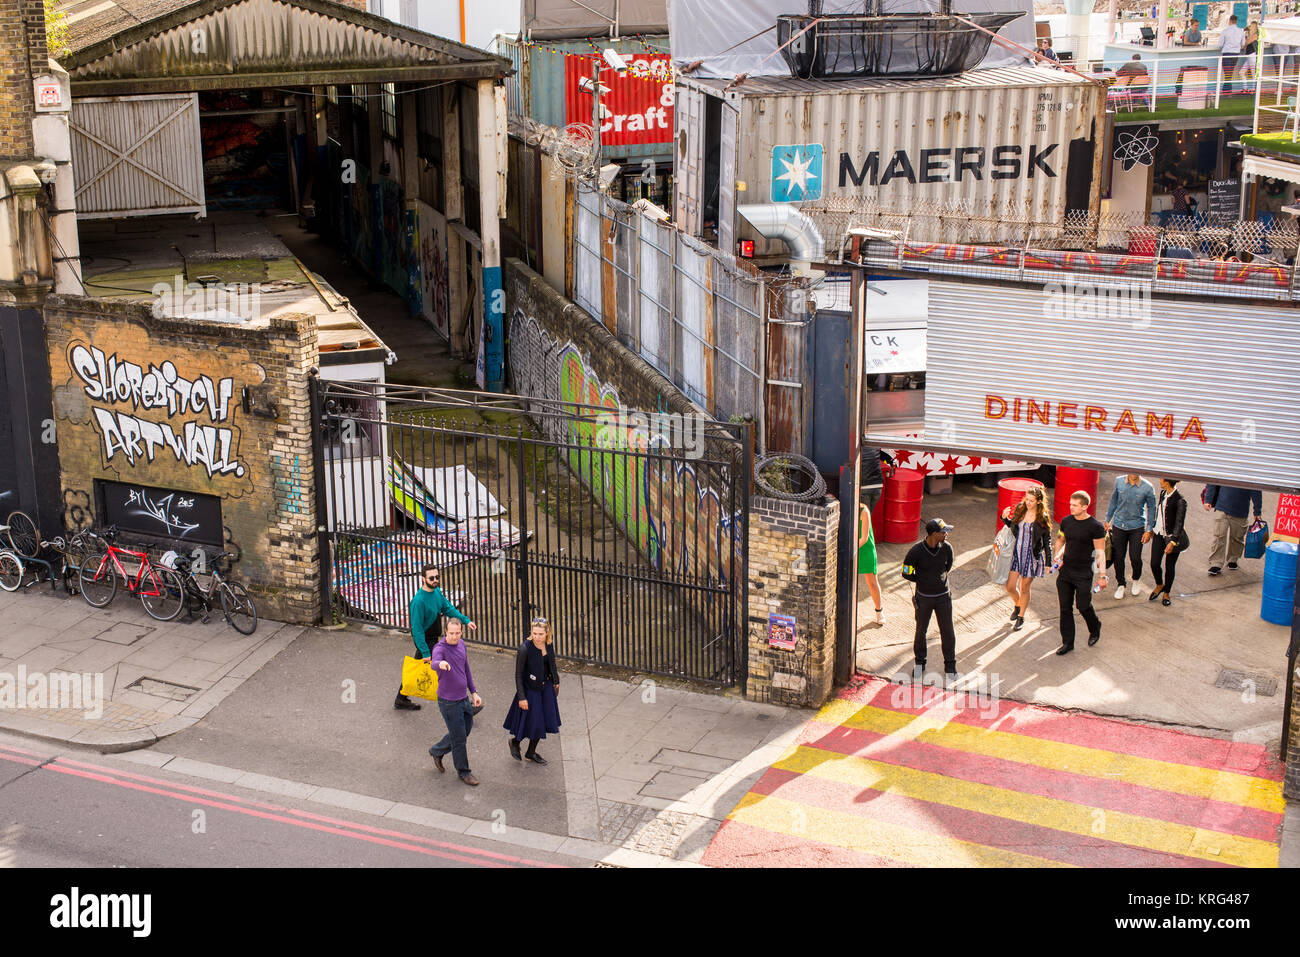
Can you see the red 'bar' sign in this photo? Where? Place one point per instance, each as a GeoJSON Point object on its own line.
{"type": "Point", "coordinates": [1288, 515]}
{"type": "Point", "coordinates": [638, 109]}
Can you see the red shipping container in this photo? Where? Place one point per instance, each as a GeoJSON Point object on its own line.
{"type": "Point", "coordinates": [639, 103]}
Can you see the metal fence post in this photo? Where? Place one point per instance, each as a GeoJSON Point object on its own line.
{"type": "Point", "coordinates": [526, 607]}
{"type": "Point", "coordinates": [324, 554]}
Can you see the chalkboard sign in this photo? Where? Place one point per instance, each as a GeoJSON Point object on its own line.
{"type": "Point", "coordinates": [1225, 201]}
{"type": "Point", "coordinates": [160, 512]}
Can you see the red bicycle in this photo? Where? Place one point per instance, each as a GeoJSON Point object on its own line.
{"type": "Point", "coordinates": [161, 590]}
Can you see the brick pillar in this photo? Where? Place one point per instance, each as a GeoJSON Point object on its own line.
{"type": "Point", "coordinates": [792, 571]}
{"type": "Point", "coordinates": [291, 529]}
{"type": "Point", "coordinates": [23, 54]}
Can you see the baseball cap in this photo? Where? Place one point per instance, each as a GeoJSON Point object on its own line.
{"type": "Point", "coordinates": [937, 525]}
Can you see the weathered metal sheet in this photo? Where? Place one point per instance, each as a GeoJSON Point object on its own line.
{"type": "Point", "coordinates": [137, 155]}
{"type": "Point", "coordinates": [261, 37]}
{"type": "Point", "coordinates": [1130, 383]}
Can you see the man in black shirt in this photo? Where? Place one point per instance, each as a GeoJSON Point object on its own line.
{"type": "Point", "coordinates": [1083, 552]}
{"type": "Point", "coordinates": [927, 564]}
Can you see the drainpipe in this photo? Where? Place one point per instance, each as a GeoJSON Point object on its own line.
{"type": "Point", "coordinates": [792, 227]}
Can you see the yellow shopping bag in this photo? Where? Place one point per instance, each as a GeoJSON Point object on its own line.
{"type": "Point", "coordinates": [418, 679]}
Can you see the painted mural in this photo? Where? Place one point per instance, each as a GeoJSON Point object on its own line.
{"type": "Point", "coordinates": [361, 221]}
{"type": "Point", "coordinates": [434, 282]}
{"type": "Point", "coordinates": [679, 523]}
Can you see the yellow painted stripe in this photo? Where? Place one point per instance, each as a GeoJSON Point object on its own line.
{"type": "Point", "coordinates": [1114, 826]}
{"type": "Point", "coordinates": [1211, 783]}
{"type": "Point", "coordinates": [864, 835]}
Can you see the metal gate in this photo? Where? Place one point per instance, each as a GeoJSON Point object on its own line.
{"type": "Point", "coordinates": [632, 544]}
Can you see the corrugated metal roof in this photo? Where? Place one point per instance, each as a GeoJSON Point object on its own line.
{"type": "Point", "coordinates": [1001, 77]}
{"type": "Point", "coordinates": [148, 39]}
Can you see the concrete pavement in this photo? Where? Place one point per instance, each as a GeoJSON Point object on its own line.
{"type": "Point", "coordinates": [1208, 661]}
{"type": "Point", "coordinates": [157, 677]}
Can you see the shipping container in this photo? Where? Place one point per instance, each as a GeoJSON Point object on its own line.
{"type": "Point", "coordinates": [638, 124]}
{"type": "Point", "coordinates": [1017, 144]}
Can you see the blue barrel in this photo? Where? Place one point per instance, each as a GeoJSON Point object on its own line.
{"type": "Point", "coordinates": [1279, 583]}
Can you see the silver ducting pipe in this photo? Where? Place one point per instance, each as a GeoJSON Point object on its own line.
{"type": "Point", "coordinates": [788, 224]}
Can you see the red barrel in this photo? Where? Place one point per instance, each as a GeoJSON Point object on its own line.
{"type": "Point", "coordinates": [1011, 491]}
{"type": "Point", "coordinates": [1069, 481]}
{"type": "Point", "coordinates": [904, 491]}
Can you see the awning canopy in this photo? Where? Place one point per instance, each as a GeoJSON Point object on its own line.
{"type": "Point", "coordinates": [178, 47]}
{"type": "Point", "coordinates": [1255, 166]}
{"type": "Point", "coordinates": [1285, 30]}
{"type": "Point", "coordinates": [560, 19]}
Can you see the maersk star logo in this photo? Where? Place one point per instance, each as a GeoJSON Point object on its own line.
{"type": "Point", "coordinates": [796, 173]}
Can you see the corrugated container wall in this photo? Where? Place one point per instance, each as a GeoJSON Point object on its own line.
{"type": "Point", "coordinates": [545, 75]}
{"type": "Point", "coordinates": [995, 142]}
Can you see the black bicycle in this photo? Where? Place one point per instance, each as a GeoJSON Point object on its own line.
{"type": "Point", "coordinates": [235, 601]}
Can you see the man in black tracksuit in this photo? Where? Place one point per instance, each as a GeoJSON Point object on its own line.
{"type": "Point", "coordinates": [927, 564]}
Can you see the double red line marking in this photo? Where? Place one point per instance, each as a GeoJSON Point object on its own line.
{"type": "Point", "coordinates": [268, 812]}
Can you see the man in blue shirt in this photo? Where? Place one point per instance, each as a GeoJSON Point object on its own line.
{"type": "Point", "coordinates": [1230, 506]}
{"type": "Point", "coordinates": [1130, 518]}
{"type": "Point", "coordinates": [428, 605]}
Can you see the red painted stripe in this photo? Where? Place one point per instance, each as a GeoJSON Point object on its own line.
{"type": "Point", "coordinates": [1111, 795]}
{"type": "Point", "coordinates": [930, 817]}
{"type": "Point", "coordinates": [1091, 731]}
{"type": "Point", "coordinates": [743, 845]}
{"type": "Point", "coordinates": [10, 747]}
{"type": "Point", "coordinates": [305, 814]}
{"type": "Point", "coordinates": [250, 812]}
{"type": "Point", "coordinates": [16, 759]}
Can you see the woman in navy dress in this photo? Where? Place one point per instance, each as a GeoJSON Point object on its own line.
{"type": "Point", "coordinates": [535, 712]}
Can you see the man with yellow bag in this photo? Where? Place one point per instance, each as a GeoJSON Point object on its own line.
{"type": "Point", "coordinates": [428, 605]}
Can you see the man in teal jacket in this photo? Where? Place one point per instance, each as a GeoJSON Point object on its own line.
{"type": "Point", "coordinates": [428, 605]}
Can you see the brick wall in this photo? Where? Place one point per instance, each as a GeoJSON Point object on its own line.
{"type": "Point", "coordinates": [264, 477]}
{"type": "Point", "coordinates": [792, 572]}
{"type": "Point", "coordinates": [22, 54]}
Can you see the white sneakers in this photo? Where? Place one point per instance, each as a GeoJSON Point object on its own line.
{"type": "Point", "coordinates": [880, 616]}
{"type": "Point", "coordinates": [1134, 589]}
{"type": "Point", "coordinates": [1119, 592]}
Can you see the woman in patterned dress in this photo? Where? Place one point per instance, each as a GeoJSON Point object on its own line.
{"type": "Point", "coordinates": [1031, 523]}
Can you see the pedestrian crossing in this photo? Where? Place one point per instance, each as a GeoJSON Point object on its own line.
{"type": "Point", "coordinates": [888, 775]}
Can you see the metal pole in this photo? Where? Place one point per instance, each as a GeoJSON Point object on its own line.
{"type": "Point", "coordinates": [847, 619]}
{"type": "Point", "coordinates": [525, 606]}
{"type": "Point", "coordinates": [320, 511]}
{"type": "Point", "coordinates": [595, 116]}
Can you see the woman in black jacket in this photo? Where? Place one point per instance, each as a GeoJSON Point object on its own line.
{"type": "Point", "coordinates": [1031, 523]}
{"type": "Point", "coordinates": [535, 712]}
{"type": "Point", "coordinates": [1169, 538]}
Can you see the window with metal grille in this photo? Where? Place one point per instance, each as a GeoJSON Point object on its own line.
{"type": "Point", "coordinates": [388, 103]}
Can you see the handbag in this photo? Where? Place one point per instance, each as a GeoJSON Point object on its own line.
{"type": "Point", "coordinates": [419, 679]}
{"type": "Point", "coordinates": [1256, 539]}
{"type": "Point", "coordinates": [999, 563]}
{"type": "Point", "coordinates": [1110, 551]}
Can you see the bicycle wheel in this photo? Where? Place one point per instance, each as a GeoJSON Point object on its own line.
{"type": "Point", "coordinates": [163, 593]}
{"type": "Point", "coordinates": [11, 571]}
{"type": "Point", "coordinates": [97, 579]}
{"type": "Point", "coordinates": [238, 605]}
{"type": "Point", "coordinates": [23, 536]}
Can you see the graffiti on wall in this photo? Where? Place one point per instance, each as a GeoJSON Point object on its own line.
{"type": "Point", "coordinates": [434, 283]}
{"type": "Point", "coordinates": [287, 484]}
{"type": "Point", "coordinates": [676, 520]}
{"type": "Point", "coordinates": [127, 392]}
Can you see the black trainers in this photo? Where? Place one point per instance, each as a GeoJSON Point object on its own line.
{"type": "Point", "coordinates": [403, 703]}
{"type": "Point", "coordinates": [1019, 623]}
{"type": "Point", "coordinates": [1232, 565]}
{"type": "Point", "coordinates": [1216, 570]}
